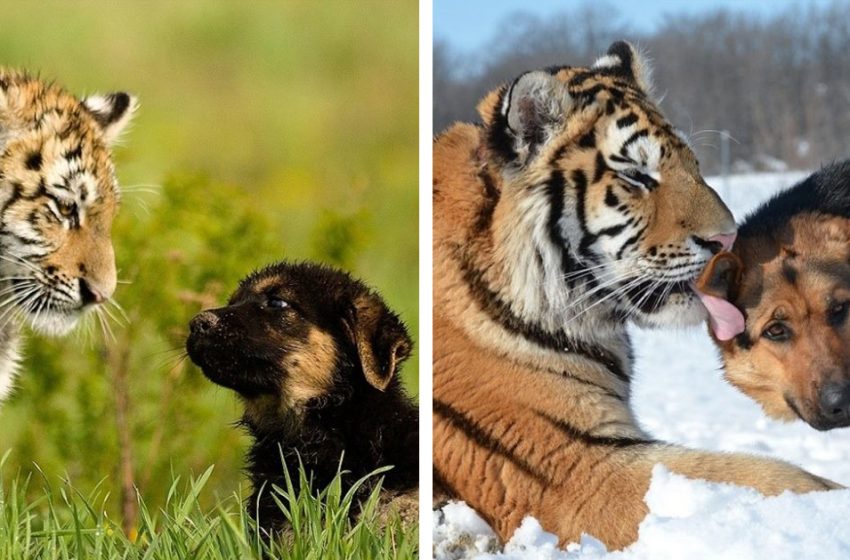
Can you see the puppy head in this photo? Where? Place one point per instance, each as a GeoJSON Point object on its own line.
{"type": "Point", "coordinates": [793, 286]}
{"type": "Point", "coordinates": [295, 332]}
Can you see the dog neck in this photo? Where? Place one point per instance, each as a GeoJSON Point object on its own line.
{"type": "Point", "coordinates": [365, 427]}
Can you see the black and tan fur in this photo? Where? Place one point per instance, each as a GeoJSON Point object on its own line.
{"type": "Point", "coordinates": [791, 279]}
{"type": "Point", "coordinates": [58, 197]}
{"type": "Point", "coordinates": [314, 356]}
{"type": "Point", "coordinates": [575, 207]}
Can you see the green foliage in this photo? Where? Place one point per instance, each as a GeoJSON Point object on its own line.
{"type": "Point", "coordinates": [64, 523]}
{"type": "Point", "coordinates": [267, 130]}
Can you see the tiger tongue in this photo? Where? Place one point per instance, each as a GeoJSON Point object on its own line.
{"type": "Point", "coordinates": [724, 318]}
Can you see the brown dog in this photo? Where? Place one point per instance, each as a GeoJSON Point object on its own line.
{"type": "Point", "coordinates": [314, 355]}
{"type": "Point", "coordinates": [790, 276]}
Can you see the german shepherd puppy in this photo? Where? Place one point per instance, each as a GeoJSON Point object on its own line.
{"type": "Point", "coordinates": [789, 274]}
{"type": "Point", "coordinates": [314, 356]}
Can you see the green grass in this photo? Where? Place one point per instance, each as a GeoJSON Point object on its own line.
{"type": "Point", "coordinates": [65, 524]}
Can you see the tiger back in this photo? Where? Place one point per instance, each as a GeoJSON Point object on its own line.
{"type": "Point", "coordinates": [574, 208]}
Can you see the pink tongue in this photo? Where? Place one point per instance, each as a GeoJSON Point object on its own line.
{"type": "Point", "coordinates": [725, 319]}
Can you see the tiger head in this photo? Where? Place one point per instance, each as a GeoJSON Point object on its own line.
{"type": "Point", "coordinates": [613, 189]}
{"type": "Point", "coordinates": [58, 197]}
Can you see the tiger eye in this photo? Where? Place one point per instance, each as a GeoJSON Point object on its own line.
{"type": "Point", "coordinates": [67, 209]}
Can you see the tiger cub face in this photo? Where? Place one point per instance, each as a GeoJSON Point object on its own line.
{"type": "Point", "coordinates": [629, 217]}
{"type": "Point", "coordinates": [58, 197]}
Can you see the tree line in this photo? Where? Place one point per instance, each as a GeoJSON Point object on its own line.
{"type": "Point", "coordinates": [779, 87]}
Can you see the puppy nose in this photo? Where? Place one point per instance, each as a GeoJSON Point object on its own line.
{"type": "Point", "coordinates": [726, 240]}
{"type": "Point", "coordinates": [835, 402]}
{"type": "Point", "coordinates": [203, 322]}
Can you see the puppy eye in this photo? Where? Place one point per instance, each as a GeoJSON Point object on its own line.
{"type": "Point", "coordinates": [277, 303]}
{"type": "Point", "coordinates": [777, 332]}
{"type": "Point", "coordinates": [838, 313]}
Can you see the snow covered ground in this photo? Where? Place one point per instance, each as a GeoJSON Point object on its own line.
{"type": "Point", "coordinates": [680, 396]}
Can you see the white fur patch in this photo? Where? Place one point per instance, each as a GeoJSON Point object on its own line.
{"type": "Point", "coordinates": [607, 61]}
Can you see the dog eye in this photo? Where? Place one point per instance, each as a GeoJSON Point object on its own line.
{"type": "Point", "coordinates": [837, 313]}
{"type": "Point", "coordinates": [277, 303]}
{"type": "Point", "coordinates": [777, 332]}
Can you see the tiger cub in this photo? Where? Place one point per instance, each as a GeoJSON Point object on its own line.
{"type": "Point", "coordinates": [58, 197]}
{"type": "Point", "coordinates": [574, 208]}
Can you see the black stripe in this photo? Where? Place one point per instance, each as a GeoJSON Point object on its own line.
{"type": "Point", "coordinates": [612, 231]}
{"type": "Point", "coordinates": [588, 139]}
{"type": "Point", "coordinates": [629, 242]}
{"type": "Point", "coordinates": [599, 168]}
{"type": "Point", "coordinates": [632, 139]}
{"type": "Point", "coordinates": [621, 159]}
{"type": "Point", "coordinates": [576, 434]}
{"type": "Point", "coordinates": [441, 481]}
{"type": "Point", "coordinates": [581, 380]}
{"type": "Point", "coordinates": [627, 121]}
{"type": "Point", "coordinates": [491, 303]}
{"type": "Point", "coordinates": [499, 139]}
{"type": "Point", "coordinates": [483, 439]}
{"type": "Point", "coordinates": [491, 198]}
{"type": "Point", "coordinates": [580, 78]}
{"type": "Point", "coordinates": [579, 183]}
{"type": "Point", "coordinates": [555, 194]}
{"type": "Point", "coordinates": [33, 162]}
{"type": "Point", "coordinates": [611, 199]}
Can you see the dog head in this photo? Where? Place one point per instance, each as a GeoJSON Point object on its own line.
{"type": "Point", "coordinates": [295, 332]}
{"type": "Point", "coordinates": [793, 286]}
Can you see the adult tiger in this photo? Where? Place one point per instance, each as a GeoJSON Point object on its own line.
{"type": "Point", "coordinates": [58, 197]}
{"type": "Point", "coordinates": [574, 208]}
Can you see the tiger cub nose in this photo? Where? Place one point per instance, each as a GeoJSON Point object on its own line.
{"type": "Point", "coordinates": [90, 294]}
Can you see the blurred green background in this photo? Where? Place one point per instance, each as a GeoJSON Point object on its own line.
{"type": "Point", "coordinates": [267, 130]}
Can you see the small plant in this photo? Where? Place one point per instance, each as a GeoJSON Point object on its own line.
{"type": "Point", "coordinates": [64, 524]}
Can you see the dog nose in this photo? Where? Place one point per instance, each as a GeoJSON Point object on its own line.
{"type": "Point", "coordinates": [726, 240]}
{"type": "Point", "coordinates": [835, 402]}
{"type": "Point", "coordinates": [203, 322]}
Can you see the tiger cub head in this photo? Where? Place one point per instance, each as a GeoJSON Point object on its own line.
{"type": "Point", "coordinates": [613, 188]}
{"type": "Point", "coordinates": [58, 197]}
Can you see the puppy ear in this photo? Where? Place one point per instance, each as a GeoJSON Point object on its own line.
{"type": "Point", "coordinates": [380, 338]}
{"type": "Point", "coordinates": [112, 112]}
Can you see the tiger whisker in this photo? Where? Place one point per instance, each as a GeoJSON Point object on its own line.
{"type": "Point", "coordinates": [616, 293]}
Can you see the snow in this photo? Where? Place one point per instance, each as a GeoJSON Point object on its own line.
{"type": "Point", "coordinates": [679, 395]}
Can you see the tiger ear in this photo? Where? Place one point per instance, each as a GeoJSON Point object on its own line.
{"type": "Point", "coordinates": [626, 61]}
{"type": "Point", "coordinates": [380, 338]}
{"type": "Point", "coordinates": [533, 107]}
{"type": "Point", "coordinates": [112, 112]}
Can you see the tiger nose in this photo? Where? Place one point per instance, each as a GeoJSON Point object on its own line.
{"type": "Point", "coordinates": [91, 294]}
{"type": "Point", "coordinates": [726, 240]}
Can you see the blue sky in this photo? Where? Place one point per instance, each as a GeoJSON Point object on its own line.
{"type": "Point", "coordinates": [469, 24]}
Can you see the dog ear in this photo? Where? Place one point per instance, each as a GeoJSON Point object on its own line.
{"type": "Point", "coordinates": [380, 338]}
{"type": "Point", "coordinates": [722, 276]}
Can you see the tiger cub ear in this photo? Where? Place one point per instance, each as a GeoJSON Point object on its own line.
{"type": "Point", "coordinates": [624, 60]}
{"type": "Point", "coordinates": [534, 106]}
{"type": "Point", "coordinates": [112, 112]}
